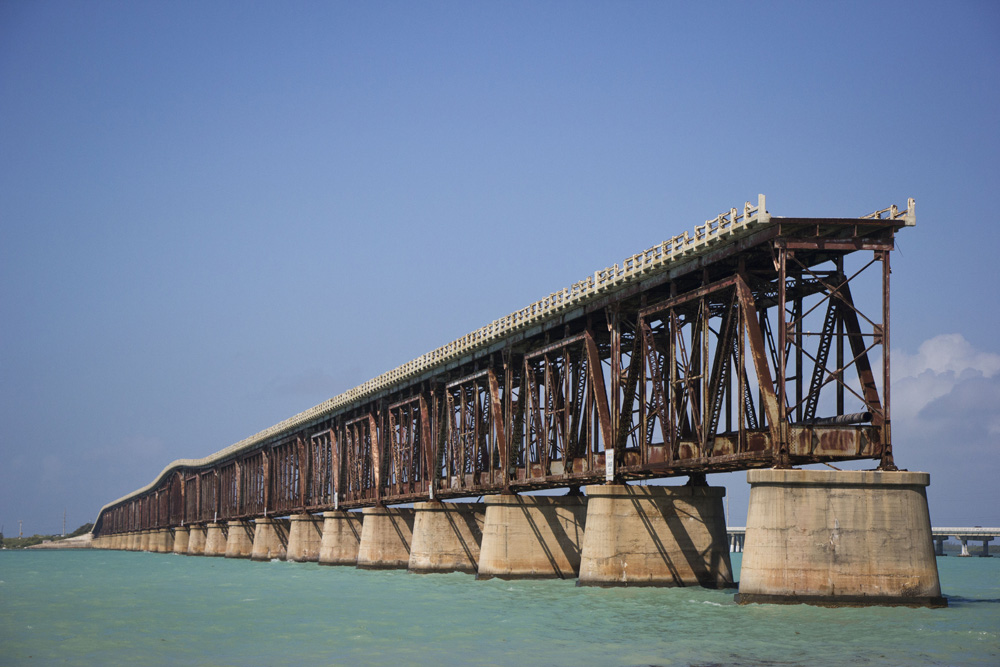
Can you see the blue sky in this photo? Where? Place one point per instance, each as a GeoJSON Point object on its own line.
{"type": "Point", "coordinates": [216, 215]}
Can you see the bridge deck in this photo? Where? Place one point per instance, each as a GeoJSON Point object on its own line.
{"type": "Point", "coordinates": [712, 351]}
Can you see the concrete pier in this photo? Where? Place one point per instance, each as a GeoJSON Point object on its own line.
{"type": "Point", "coordinates": [528, 537]}
{"type": "Point", "coordinates": [270, 539]}
{"type": "Point", "coordinates": [446, 537]}
{"type": "Point", "coordinates": [341, 538]}
{"type": "Point", "coordinates": [239, 542]}
{"type": "Point", "coordinates": [196, 540]}
{"type": "Point", "coordinates": [216, 538]}
{"type": "Point", "coordinates": [305, 536]}
{"type": "Point", "coordinates": [182, 536]}
{"type": "Point", "coordinates": [145, 540]}
{"type": "Point", "coordinates": [837, 538]}
{"type": "Point", "coordinates": [655, 536]}
{"type": "Point", "coordinates": [386, 534]}
{"type": "Point", "coordinates": [155, 540]}
{"type": "Point", "coordinates": [166, 543]}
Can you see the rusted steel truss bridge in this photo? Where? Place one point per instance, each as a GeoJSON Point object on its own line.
{"type": "Point", "coordinates": [754, 341]}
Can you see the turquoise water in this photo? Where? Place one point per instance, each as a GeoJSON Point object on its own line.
{"type": "Point", "coordinates": [118, 608]}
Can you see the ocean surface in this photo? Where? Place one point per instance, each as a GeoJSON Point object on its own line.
{"type": "Point", "coordinates": [127, 608]}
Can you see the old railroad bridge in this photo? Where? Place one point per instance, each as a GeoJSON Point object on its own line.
{"type": "Point", "coordinates": [754, 343]}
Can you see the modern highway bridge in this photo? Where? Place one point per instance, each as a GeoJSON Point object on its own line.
{"type": "Point", "coordinates": [755, 342]}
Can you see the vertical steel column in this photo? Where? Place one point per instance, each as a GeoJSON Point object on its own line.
{"type": "Point", "coordinates": [781, 447]}
{"type": "Point", "coordinates": [886, 462]}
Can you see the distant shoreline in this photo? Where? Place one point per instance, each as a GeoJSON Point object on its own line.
{"type": "Point", "coordinates": [84, 541]}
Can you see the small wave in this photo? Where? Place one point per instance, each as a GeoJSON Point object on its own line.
{"type": "Point", "coordinates": [709, 602]}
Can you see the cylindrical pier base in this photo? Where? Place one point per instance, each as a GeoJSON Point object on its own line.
{"type": "Point", "coordinates": [655, 536]}
{"type": "Point", "coordinates": [839, 538]}
{"type": "Point", "coordinates": [166, 543]}
{"type": "Point", "coordinates": [182, 536]}
{"type": "Point", "coordinates": [239, 542]}
{"type": "Point", "coordinates": [304, 537]}
{"type": "Point", "coordinates": [532, 537]}
{"type": "Point", "coordinates": [341, 538]}
{"type": "Point", "coordinates": [196, 540]}
{"type": "Point", "coordinates": [270, 539]}
{"type": "Point", "coordinates": [216, 538]}
{"type": "Point", "coordinates": [385, 538]}
{"type": "Point", "coordinates": [155, 541]}
{"type": "Point", "coordinates": [446, 537]}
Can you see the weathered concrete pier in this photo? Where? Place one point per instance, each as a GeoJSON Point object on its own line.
{"type": "Point", "coordinates": [713, 351]}
{"type": "Point", "coordinates": [839, 538]}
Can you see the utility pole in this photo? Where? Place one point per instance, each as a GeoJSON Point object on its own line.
{"type": "Point", "coordinates": [19, 522]}
{"type": "Point", "coordinates": [64, 523]}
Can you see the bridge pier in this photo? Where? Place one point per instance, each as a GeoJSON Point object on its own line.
{"type": "Point", "coordinates": [446, 537]}
{"type": "Point", "coordinates": [270, 539]}
{"type": "Point", "coordinates": [182, 535]}
{"type": "Point", "coordinates": [839, 538]}
{"type": "Point", "coordinates": [305, 535]}
{"type": "Point", "coordinates": [532, 537]}
{"type": "Point", "coordinates": [196, 540]}
{"type": "Point", "coordinates": [341, 538]}
{"type": "Point", "coordinates": [939, 546]}
{"type": "Point", "coordinates": [155, 541]}
{"type": "Point", "coordinates": [145, 540]}
{"type": "Point", "coordinates": [239, 541]}
{"type": "Point", "coordinates": [166, 542]}
{"type": "Point", "coordinates": [216, 538]}
{"type": "Point", "coordinates": [386, 534]}
{"type": "Point", "coordinates": [655, 536]}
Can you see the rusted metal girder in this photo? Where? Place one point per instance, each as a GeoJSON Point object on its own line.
{"type": "Point", "coordinates": [713, 360]}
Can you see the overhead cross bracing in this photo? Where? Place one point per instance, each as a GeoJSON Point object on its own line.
{"type": "Point", "coordinates": [739, 345]}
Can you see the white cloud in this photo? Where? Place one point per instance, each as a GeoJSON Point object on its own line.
{"type": "Point", "coordinates": [940, 365]}
{"type": "Point", "coordinates": [943, 354]}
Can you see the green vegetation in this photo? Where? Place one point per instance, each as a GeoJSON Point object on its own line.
{"type": "Point", "coordinates": [22, 542]}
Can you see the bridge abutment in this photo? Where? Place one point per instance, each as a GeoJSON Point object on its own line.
{"type": "Point", "coordinates": [839, 538]}
{"type": "Point", "coordinates": [446, 537]}
{"type": "Point", "coordinates": [270, 539]}
{"type": "Point", "coordinates": [532, 537]}
{"type": "Point", "coordinates": [655, 536]}
{"type": "Point", "coordinates": [216, 538]}
{"type": "Point", "coordinates": [239, 541]}
{"type": "Point", "coordinates": [341, 538]}
{"type": "Point", "coordinates": [305, 535]}
{"type": "Point", "coordinates": [386, 534]}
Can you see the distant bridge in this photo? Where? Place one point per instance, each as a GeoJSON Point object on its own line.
{"type": "Point", "coordinates": [754, 341]}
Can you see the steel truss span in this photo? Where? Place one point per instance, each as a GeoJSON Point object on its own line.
{"type": "Point", "coordinates": [755, 341]}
